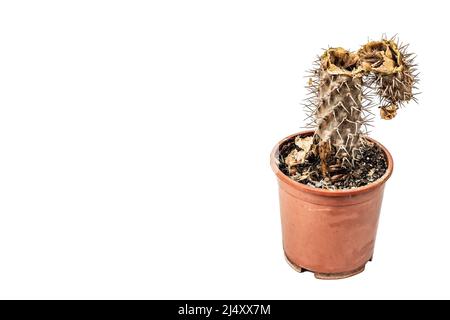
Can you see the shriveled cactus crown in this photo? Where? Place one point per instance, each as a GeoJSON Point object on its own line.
{"type": "Point", "coordinates": [341, 91]}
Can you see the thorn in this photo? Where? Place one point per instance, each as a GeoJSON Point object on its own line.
{"type": "Point", "coordinates": [351, 97]}
{"type": "Point", "coordinates": [345, 158]}
{"type": "Point", "coordinates": [404, 47]}
{"type": "Point", "coordinates": [342, 105]}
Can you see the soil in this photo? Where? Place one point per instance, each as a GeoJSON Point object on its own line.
{"type": "Point", "coordinates": [368, 167]}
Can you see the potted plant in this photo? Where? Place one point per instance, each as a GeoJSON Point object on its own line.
{"type": "Point", "coordinates": [331, 179]}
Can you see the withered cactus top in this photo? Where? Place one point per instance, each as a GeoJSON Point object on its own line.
{"type": "Point", "coordinates": [392, 72]}
{"type": "Point", "coordinates": [339, 99]}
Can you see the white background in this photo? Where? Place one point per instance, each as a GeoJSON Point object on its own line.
{"type": "Point", "coordinates": [135, 140]}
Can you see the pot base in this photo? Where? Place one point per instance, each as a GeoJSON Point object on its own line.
{"type": "Point", "coordinates": [327, 276]}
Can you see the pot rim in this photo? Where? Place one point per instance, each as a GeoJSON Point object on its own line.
{"type": "Point", "coordinates": [326, 192]}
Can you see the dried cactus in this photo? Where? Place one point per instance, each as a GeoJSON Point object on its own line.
{"type": "Point", "coordinates": [339, 102]}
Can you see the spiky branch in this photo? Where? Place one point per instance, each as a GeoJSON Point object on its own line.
{"type": "Point", "coordinates": [392, 74]}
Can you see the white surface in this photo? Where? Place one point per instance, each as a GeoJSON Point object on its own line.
{"type": "Point", "coordinates": [135, 140]}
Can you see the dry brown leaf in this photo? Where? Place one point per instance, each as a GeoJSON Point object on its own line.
{"type": "Point", "coordinates": [388, 112]}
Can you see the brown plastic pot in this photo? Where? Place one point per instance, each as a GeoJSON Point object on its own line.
{"type": "Point", "coordinates": [328, 232]}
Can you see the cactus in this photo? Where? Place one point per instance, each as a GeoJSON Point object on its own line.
{"type": "Point", "coordinates": [339, 101]}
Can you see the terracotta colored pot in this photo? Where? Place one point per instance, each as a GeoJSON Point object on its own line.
{"type": "Point", "coordinates": [328, 232]}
